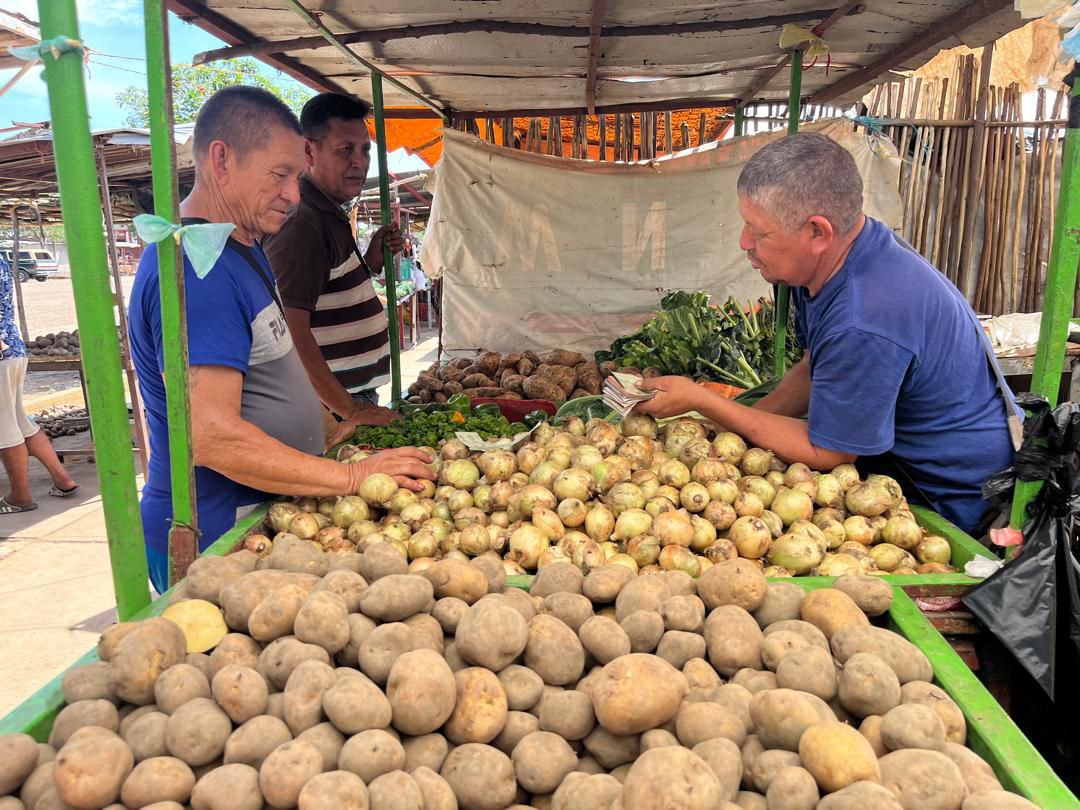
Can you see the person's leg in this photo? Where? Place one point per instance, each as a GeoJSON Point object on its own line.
{"type": "Point", "coordinates": [41, 448]}
{"type": "Point", "coordinates": [16, 465]}
{"type": "Point", "coordinates": [13, 451]}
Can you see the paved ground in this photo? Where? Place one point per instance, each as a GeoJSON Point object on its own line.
{"type": "Point", "coordinates": [55, 583]}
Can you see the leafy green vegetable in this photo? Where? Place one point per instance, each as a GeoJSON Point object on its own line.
{"type": "Point", "coordinates": [689, 336]}
{"type": "Point", "coordinates": [428, 428]}
{"type": "Point", "coordinates": [586, 408]}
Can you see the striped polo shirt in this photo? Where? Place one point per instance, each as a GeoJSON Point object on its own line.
{"type": "Point", "coordinates": [319, 269]}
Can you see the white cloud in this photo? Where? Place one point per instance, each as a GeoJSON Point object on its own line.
{"type": "Point", "coordinates": [95, 12]}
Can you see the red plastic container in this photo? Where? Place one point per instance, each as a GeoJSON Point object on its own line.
{"type": "Point", "coordinates": [515, 410]}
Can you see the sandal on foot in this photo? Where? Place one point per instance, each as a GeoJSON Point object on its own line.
{"type": "Point", "coordinates": [10, 508]}
{"type": "Point", "coordinates": [56, 492]}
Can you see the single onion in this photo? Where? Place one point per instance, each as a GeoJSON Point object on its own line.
{"type": "Point", "coordinates": [639, 424]}
{"type": "Point", "coordinates": [643, 550]}
{"type": "Point", "coordinates": [674, 474]}
{"type": "Point", "coordinates": [673, 528]}
{"type": "Point", "coordinates": [751, 537]}
{"type": "Point", "coordinates": [529, 456]}
{"type": "Point", "coordinates": [654, 506]}
{"type": "Point", "coordinates": [624, 560]}
{"type": "Point", "coordinates": [721, 515]}
{"type": "Point", "coordinates": [599, 523]}
{"type": "Point", "coordinates": [631, 523]}
{"type": "Point", "coordinates": [725, 490]}
{"type": "Point", "coordinates": [707, 470]}
{"type": "Point", "coordinates": [792, 505]}
{"type": "Point", "coordinates": [469, 517]}
{"type": "Point", "coordinates": [755, 461]}
{"type": "Point", "coordinates": [527, 543]}
{"type": "Point", "coordinates": [308, 503]}
{"type": "Point", "coordinates": [460, 473]}
{"type": "Point", "coordinates": [573, 483]}
{"type": "Point", "coordinates": [574, 425]}
{"type": "Point", "coordinates": [679, 558]}
{"type": "Point", "coordinates": [377, 489]}
{"type": "Point", "coordinates": [760, 487]}
{"type": "Point", "coordinates": [304, 525]}
{"type": "Point", "coordinates": [497, 465]}
{"type": "Point", "coordinates": [545, 474]}
{"type": "Point", "coordinates": [603, 436]}
{"type": "Point", "coordinates": [694, 497]}
{"type": "Point", "coordinates": [548, 522]}
{"type": "Point", "coordinates": [934, 549]}
{"type": "Point", "coordinates": [572, 512]}
{"type": "Point", "coordinates": [646, 481]}
{"type": "Point", "coordinates": [460, 500]}
{"type": "Point", "coordinates": [281, 514]}
{"type": "Point", "coordinates": [722, 549]}
{"type": "Point", "coordinates": [847, 475]}
{"type": "Point", "coordinates": [624, 496]}
{"type": "Point", "coordinates": [704, 533]}
{"type": "Point", "coordinates": [423, 544]}
{"type": "Point", "coordinates": [534, 495]}
{"type": "Point", "coordinates": [474, 540]}
{"type": "Point", "coordinates": [729, 447]}
{"type": "Point", "coordinates": [748, 504]}
{"type": "Point", "coordinates": [586, 457]}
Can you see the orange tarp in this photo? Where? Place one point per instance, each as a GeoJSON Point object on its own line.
{"type": "Point", "coordinates": [423, 136]}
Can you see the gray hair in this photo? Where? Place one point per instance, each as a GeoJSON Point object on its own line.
{"type": "Point", "coordinates": [804, 175]}
{"type": "Point", "coordinates": [241, 116]}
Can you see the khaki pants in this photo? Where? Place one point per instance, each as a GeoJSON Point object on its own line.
{"type": "Point", "coordinates": [15, 425]}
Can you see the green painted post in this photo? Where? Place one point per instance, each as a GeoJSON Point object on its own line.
{"type": "Point", "coordinates": [182, 536]}
{"type": "Point", "coordinates": [1060, 284]}
{"type": "Point", "coordinates": [740, 116]}
{"type": "Point", "coordinates": [388, 262]}
{"type": "Point", "coordinates": [783, 292]}
{"type": "Point", "coordinates": [81, 206]}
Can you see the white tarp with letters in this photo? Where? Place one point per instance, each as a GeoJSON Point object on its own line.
{"type": "Point", "coordinates": [540, 252]}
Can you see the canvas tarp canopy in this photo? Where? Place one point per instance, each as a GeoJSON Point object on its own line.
{"type": "Point", "coordinates": [542, 253]}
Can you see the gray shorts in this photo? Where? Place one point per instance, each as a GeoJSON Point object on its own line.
{"type": "Point", "coordinates": [15, 426]}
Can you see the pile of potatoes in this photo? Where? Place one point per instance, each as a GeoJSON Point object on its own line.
{"type": "Point", "coordinates": [55, 344]}
{"type": "Point", "coordinates": [365, 687]}
{"type": "Point", "coordinates": [555, 376]}
{"type": "Point", "coordinates": [677, 498]}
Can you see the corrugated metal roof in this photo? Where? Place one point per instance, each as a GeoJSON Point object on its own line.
{"type": "Point", "coordinates": [506, 70]}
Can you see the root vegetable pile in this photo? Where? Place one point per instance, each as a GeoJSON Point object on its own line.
{"type": "Point", "coordinates": [648, 499]}
{"type": "Point", "coordinates": [55, 344]}
{"type": "Point", "coordinates": [352, 684]}
{"type": "Point", "coordinates": [554, 376]}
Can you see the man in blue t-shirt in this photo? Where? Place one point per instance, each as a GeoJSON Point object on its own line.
{"type": "Point", "coordinates": [896, 373]}
{"type": "Point", "coordinates": [256, 423]}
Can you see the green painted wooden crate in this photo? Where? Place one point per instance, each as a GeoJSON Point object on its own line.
{"type": "Point", "coordinates": [990, 731]}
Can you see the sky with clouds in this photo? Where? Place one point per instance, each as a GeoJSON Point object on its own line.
{"type": "Point", "coordinates": [113, 28]}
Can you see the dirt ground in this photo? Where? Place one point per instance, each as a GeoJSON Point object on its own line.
{"type": "Point", "coordinates": [50, 307]}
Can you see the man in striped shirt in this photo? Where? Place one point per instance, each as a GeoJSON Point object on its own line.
{"type": "Point", "coordinates": [338, 324]}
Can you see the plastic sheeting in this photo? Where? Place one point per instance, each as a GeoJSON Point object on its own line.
{"type": "Point", "coordinates": [1032, 605]}
{"type": "Point", "coordinates": [542, 253]}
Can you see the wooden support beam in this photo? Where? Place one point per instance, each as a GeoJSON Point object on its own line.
{"type": "Point", "coordinates": [762, 81]}
{"type": "Point", "coordinates": [480, 26]}
{"type": "Point", "coordinates": [223, 28]}
{"type": "Point", "coordinates": [650, 106]}
{"type": "Point", "coordinates": [930, 38]}
{"type": "Point", "coordinates": [596, 30]}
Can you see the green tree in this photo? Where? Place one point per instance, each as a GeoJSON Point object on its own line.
{"type": "Point", "coordinates": [192, 85]}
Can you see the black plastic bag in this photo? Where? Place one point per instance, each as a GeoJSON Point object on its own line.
{"type": "Point", "coordinates": [1032, 605]}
